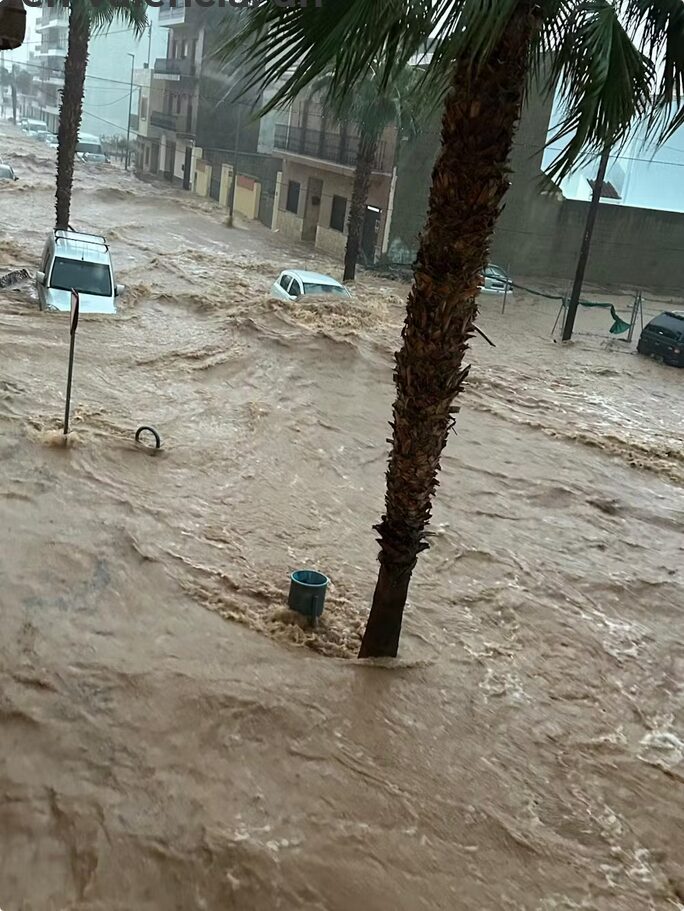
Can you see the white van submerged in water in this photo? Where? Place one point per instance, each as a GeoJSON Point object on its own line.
{"type": "Point", "coordinates": [89, 148]}
{"type": "Point", "coordinates": [81, 262]}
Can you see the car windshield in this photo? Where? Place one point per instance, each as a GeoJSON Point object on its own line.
{"type": "Point", "coordinates": [88, 278]}
{"type": "Point", "coordinates": [5, 172]}
{"type": "Point", "coordinates": [495, 272]}
{"type": "Point", "coordinates": [92, 147]}
{"type": "Point", "coordinates": [316, 288]}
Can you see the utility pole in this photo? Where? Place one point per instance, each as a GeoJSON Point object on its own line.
{"type": "Point", "coordinates": [233, 183]}
{"type": "Point", "coordinates": [14, 94]}
{"type": "Point", "coordinates": [130, 106]}
{"type": "Point", "coordinates": [586, 246]}
{"type": "Point", "coordinates": [149, 44]}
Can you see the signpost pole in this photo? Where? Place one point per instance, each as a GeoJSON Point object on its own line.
{"type": "Point", "coordinates": [72, 330]}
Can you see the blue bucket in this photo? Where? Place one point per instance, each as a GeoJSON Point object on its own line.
{"type": "Point", "coordinates": [307, 592]}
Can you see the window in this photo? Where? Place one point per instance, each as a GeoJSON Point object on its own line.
{"type": "Point", "coordinates": [178, 104]}
{"type": "Point", "coordinates": [295, 288]}
{"type": "Point", "coordinates": [337, 213]}
{"type": "Point", "coordinates": [88, 278]}
{"type": "Point", "coordinates": [325, 289]}
{"type": "Point", "coordinates": [292, 204]}
{"type": "Point", "coordinates": [285, 281]}
{"type": "Point", "coordinates": [143, 108]}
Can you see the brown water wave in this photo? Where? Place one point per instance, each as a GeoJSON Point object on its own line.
{"type": "Point", "coordinates": [173, 738]}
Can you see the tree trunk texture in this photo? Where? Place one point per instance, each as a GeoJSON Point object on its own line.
{"type": "Point", "coordinates": [469, 180]}
{"type": "Point", "coordinates": [368, 147]}
{"type": "Point", "coordinates": [71, 110]}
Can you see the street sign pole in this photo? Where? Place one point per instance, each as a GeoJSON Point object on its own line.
{"type": "Point", "coordinates": [72, 330]}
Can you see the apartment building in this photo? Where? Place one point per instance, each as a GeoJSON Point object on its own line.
{"type": "Point", "coordinates": [319, 158]}
{"type": "Point", "coordinates": [194, 117]}
{"type": "Point", "coordinates": [49, 64]}
{"type": "Point", "coordinates": [108, 91]}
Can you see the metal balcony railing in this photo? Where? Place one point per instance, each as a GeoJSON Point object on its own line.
{"type": "Point", "coordinates": [326, 146]}
{"type": "Point", "coordinates": [174, 66]}
{"type": "Point", "coordinates": [175, 123]}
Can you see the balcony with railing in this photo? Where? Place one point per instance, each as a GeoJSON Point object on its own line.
{"type": "Point", "coordinates": [336, 148]}
{"type": "Point", "coordinates": [174, 67]}
{"type": "Point", "coordinates": [181, 124]}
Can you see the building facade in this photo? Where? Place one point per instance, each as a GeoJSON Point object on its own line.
{"type": "Point", "coordinates": [319, 158]}
{"type": "Point", "coordinates": [194, 119]}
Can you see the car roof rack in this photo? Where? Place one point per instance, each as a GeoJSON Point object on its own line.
{"type": "Point", "coordinates": [77, 237]}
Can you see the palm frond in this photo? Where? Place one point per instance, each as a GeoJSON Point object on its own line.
{"type": "Point", "coordinates": [613, 62]}
{"type": "Point", "coordinates": [605, 83]}
{"type": "Point", "coordinates": [101, 14]}
{"type": "Point", "coordinates": [660, 24]}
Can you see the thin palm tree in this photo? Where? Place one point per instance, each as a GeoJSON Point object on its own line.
{"type": "Point", "coordinates": [374, 106]}
{"type": "Point", "coordinates": [86, 17]}
{"type": "Point", "coordinates": [611, 63]}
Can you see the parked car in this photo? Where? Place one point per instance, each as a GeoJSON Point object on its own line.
{"type": "Point", "coordinates": [7, 172]}
{"type": "Point", "coordinates": [495, 281]}
{"type": "Point", "coordinates": [294, 283]}
{"type": "Point", "coordinates": [663, 338]}
{"type": "Point", "coordinates": [82, 262]}
{"type": "Point", "coordinates": [36, 129]}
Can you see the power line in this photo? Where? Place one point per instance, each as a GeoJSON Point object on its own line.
{"type": "Point", "coordinates": [136, 85]}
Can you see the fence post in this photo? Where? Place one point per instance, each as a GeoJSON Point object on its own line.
{"type": "Point", "coordinates": [561, 309]}
{"type": "Point", "coordinates": [508, 272]}
{"type": "Point", "coordinates": [632, 320]}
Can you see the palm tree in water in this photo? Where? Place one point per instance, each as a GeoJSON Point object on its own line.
{"type": "Point", "coordinates": [86, 17]}
{"type": "Point", "coordinates": [611, 63]}
{"type": "Point", "coordinates": [373, 106]}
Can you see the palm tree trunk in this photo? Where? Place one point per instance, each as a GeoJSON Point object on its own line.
{"type": "Point", "coordinates": [71, 109]}
{"type": "Point", "coordinates": [469, 180]}
{"type": "Point", "coordinates": [368, 147]}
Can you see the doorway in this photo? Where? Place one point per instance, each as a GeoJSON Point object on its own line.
{"type": "Point", "coordinates": [369, 234]}
{"type": "Point", "coordinates": [312, 209]}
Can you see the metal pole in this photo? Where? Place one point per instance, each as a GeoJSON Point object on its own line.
{"type": "Point", "coordinates": [233, 182]}
{"type": "Point", "coordinates": [13, 89]}
{"type": "Point", "coordinates": [586, 246]}
{"type": "Point", "coordinates": [75, 306]}
{"type": "Point", "coordinates": [635, 307]}
{"type": "Point", "coordinates": [130, 106]}
{"type": "Point", "coordinates": [67, 408]}
{"type": "Point", "coordinates": [561, 309]}
{"type": "Point", "coordinates": [503, 306]}
{"type": "Point", "coordinates": [149, 44]}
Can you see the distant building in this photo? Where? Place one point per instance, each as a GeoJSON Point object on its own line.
{"type": "Point", "coordinates": [193, 115]}
{"type": "Point", "coordinates": [107, 93]}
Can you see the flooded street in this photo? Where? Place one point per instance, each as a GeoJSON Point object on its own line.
{"type": "Point", "coordinates": [169, 741]}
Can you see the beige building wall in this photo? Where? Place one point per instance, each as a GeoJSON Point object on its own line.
{"type": "Point", "coordinates": [202, 178]}
{"type": "Point", "coordinates": [247, 196]}
{"type": "Point", "coordinates": [334, 184]}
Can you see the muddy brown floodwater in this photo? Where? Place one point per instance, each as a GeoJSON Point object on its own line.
{"type": "Point", "coordinates": [169, 741]}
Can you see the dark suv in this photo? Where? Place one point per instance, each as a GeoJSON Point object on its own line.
{"type": "Point", "coordinates": [663, 338]}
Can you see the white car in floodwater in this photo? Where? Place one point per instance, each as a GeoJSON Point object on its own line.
{"type": "Point", "coordinates": [495, 280]}
{"type": "Point", "coordinates": [294, 283]}
{"type": "Point", "coordinates": [80, 262]}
